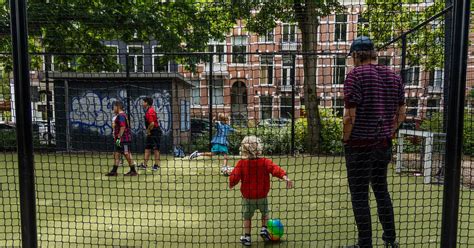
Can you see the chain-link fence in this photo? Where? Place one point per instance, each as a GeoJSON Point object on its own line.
{"type": "Point", "coordinates": [171, 93]}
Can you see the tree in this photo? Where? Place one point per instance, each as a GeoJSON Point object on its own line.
{"type": "Point", "coordinates": [74, 30]}
{"type": "Point", "coordinates": [306, 13]}
{"type": "Point", "coordinates": [425, 47]}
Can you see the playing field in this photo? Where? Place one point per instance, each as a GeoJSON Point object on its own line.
{"type": "Point", "coordinates": [188, 203]}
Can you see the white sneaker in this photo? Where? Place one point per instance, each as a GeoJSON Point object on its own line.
{"type": "Point", "coordinates": [245, 240]}
{"type": "Point", "coordinates": [193, 155]}
{"type": "Point", "coordinates": [226, 170]}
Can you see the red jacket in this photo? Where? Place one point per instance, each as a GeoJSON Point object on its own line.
{"type": "Point", "coordinates": [255, 177]}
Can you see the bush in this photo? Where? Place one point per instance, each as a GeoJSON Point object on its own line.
{"type": "Point", "coordinates": [278, 140]}
{"type": "Point", "coordinates": [435, 124]}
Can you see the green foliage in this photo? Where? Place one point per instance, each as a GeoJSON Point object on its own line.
{"type": "Point", "coordinates": [80, 26]}
{"type": "Point", "coordinates": [435, 124]}
{"type": "Point", "coordinates": [277, 140]}
{"type": "Point", "coordinates": [425, 46]}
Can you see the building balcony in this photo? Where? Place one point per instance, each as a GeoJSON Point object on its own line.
{"type": "Point", "coordinates": [217, 69]}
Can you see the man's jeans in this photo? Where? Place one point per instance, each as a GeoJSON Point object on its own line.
{"type": "Point", "coordinates": [369, 166]}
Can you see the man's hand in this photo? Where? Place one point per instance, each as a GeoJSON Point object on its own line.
{"type": "Point", "coordinates": [118, 142]}
{"type": "Point", "coordinates": [148, 132]}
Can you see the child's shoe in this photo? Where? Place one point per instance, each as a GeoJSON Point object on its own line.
{"type": "Point", "coordinates": [265, 234]}
{"type": "Point", "coordinates": [194, 155]}
{"type": "Point", "coordinates": [245, 240]}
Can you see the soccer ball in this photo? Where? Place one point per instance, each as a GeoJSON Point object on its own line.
{"type": "Point", "coordinates": [226, 170]}
{"type": "Point", "coordinates": [275, 229]}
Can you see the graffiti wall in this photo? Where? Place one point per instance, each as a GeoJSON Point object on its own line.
{"type": "Point", "coordinates": [88, 112]}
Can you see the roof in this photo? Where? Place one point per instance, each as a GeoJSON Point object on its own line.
{"type": "Point", "coordinates": [121, 75]}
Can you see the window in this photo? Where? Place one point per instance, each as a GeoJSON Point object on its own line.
{"type": "Point", "coordinates": [338, 106]}
{"type": "Point", "coordinates": [113, 50]}
{"type": "Point", "coordinates": [286, 70]}
{"type": "Point", "coordinates": [266, 38]}
{"type": "Point", "coordinates": [412, 76]}
{"type": "Point", "coordinates": [339, 70]}
{"type": "Point", "coordinates": [285, 107]}
{"type": "Point", "coordinates": [185, 110]}
{"type": "Point", "coordinates": [266, 69]}
{"type": "Point", "coordinates": [219, 49]}
{"type": "Point", "coordinates": [266, 107]}
{"type": "Point", "coordinates": [412, 107]}
{"type": "Point", "coordinates": [289, 33]}
{"type": "Point", "coordinates": [362, 26]}
{"type": "Point", "coordinates": [196, 94]}
{"type": "Point", "coordinates": [239, 49]}
{"type": "Point", "coordinates": [135, 58]}
{"type": "Point", "coordinates": [384, 60]}
{"type": "Point", "coordinates": [432, 107]}
{"type": "Point", "coordinates": [340, 32]}
{"type": "Point", "coordinates": [218, 91]}
{"type": "Point", "coordinates": [160, 62]}
{"type": "Point", "coordinates": [436, 78]}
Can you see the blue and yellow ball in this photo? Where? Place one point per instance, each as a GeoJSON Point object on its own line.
{"type": "Point", "coordinates": [275, 228]}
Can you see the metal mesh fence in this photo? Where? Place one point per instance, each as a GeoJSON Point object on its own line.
{"type": "Point", "coordinates": [217, 73]}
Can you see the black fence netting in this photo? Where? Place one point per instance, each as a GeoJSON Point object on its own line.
{"type": "Point", "coordinates": [216, 123]}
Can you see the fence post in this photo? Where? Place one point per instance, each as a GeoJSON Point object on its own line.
{"type": "Point", "coordinates": [293, 99]}
{"type": "Point", "coordinates": [24, 132]}
{"type": "Point", "coordinates": [454, 140]}
{"type": "Point", "coordinates": [210, 85]}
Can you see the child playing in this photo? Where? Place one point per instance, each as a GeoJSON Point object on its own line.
{"type": "Point", "coordinates": [219, 141]}
{"type": "Point", "coordinates": [123, 138]}
{"type": "Point", "coordinates": [113, 132]}
{"type": "Point", "coordinates": [254, 173]}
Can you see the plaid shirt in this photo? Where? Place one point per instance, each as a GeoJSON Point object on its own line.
{"type": "Point", "coordinates": [121, 120]}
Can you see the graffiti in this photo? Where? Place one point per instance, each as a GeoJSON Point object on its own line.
{"type": "Point", "coordinates": [93, 111]}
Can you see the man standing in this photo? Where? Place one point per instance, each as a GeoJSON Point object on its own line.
{"type": "Point", "coordinates": [374, 108]}
{"type": "Point", "coordinates": [122, 140]}
{"type": "Point", "coordinates": [153, 134]}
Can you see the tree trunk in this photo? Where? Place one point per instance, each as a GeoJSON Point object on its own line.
{"type": "Point", "coordinates": [308, 24]}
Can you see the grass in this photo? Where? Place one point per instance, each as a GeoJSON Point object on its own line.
{"type": "Point", "coordinates": [189, 204]}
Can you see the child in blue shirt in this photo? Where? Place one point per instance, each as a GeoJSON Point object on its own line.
{"type": "Point", "coordinates": [219, 142]}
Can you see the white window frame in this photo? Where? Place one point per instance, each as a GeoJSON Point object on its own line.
{"type": "Point", "coordinates": [287, 68]}
{"type": "Point", "coordinates": [266, 66]}
{"type": "Point", "coordinates": [438, 76]}
{"type": "Point", "coordinates": [335, 69]}
{"type": "Point", "coordinates": [198, 89]}
{"type": "Point", "coordinates": [341, 23]}
{"type": "Point", "coordinates": [415, 108]}
{"type": "Point", "coordinates": [117, 49]}
{"type": "Point", "coordinates": [135, 66]}
{"type": "Point", "coordinates": [417, 83]}
{"type": "Point", "coordinates": [214, 91]}
{"type": "Point", "coordinates": [285, 106]}
{"type": "Point", "coordinates": [263, 39]}
{"type": "Point", "coordinates": [185, 116]}
{"type": "Point", "coordinates": [157, 55]}
{"type": "Point", "coordinates": [436, 108]}
{"type": "Point", "coordinates": [246, 45]}
{"type": "Point", "coordinates": [335, 107]}
{"type": "Point", "coordinates": [265, 106]}
{"type": "Point", "coordinates": [290, 27]}
{"type": "Point", "coordinates": [215, 58]}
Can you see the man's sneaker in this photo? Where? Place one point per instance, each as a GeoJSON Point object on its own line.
{"type": "Point", "coordinates": [193, 155]}
{"type": "Point", "coordinates": [265, 234]}
{"type": "Point", "coordinates": [245, 240]}
{"type": "Point", "coordinates": [142, 167]}
{"type": "Point", "coordinates": [112, 174]}
{"type": "Point", "coordinates": [391, 244]}
{"type": "Point", "coordinates": [155, 167]}
{"type": "Point", "coordinates": [131, 173]}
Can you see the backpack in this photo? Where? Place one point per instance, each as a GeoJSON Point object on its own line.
{"type": "Point", "coordinates": [178, 151]}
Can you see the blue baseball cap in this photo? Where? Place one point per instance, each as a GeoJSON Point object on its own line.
{"type": "Point", "coordinates": [362, 43]}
